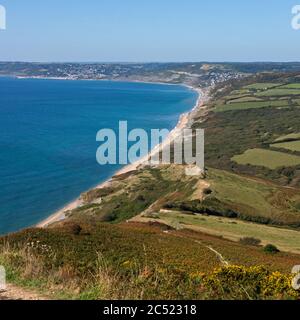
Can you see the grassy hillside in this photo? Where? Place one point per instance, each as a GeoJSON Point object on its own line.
{"type": "Point", "coordinates": [139, 261]}
{"type": "Point", "coordinates": [256, 197]}
{"type": "Point", "coordinates": [131, 193]}
{"type": "Point", "coordinates": [167, 186]}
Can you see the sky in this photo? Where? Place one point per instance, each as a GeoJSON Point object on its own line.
{"type": "Point", "coordinates": [149, 31]}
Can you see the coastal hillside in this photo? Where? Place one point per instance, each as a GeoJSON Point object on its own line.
{"type": "Point", "coordinates": [154, 232]}
{"type": "Point", "coordinates": [143, 261]}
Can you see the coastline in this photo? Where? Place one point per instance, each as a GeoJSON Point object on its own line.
{"type": "Point", "coordinates": [183, 122]}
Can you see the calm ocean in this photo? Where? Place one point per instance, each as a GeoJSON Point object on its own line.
{"type": "Point", "coordinates": [48, 137]}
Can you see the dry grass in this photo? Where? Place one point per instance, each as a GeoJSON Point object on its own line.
{"type": "Point", "coordinates": [23, 265]}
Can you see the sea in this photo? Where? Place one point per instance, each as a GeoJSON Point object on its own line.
{"type": "Point", "coordinates": [48, 137]}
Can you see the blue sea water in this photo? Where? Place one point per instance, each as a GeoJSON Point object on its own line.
{"type": "Point", "coordinates": [48, 137]}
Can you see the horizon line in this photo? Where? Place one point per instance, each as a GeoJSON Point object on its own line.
{"type": "Point", "coordinates": [148, 62]}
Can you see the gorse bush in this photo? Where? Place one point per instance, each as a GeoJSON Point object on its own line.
{"type": "Point", "coordinates": [240, 283]}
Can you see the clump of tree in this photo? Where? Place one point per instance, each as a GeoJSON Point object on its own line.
{"type": "Point", "coordinates": [250, 241]}
{"type": "Point", "coordinates": [270, 248]}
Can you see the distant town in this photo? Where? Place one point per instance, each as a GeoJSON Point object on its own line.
{"type": "Point", "coordinates": [204, 74]}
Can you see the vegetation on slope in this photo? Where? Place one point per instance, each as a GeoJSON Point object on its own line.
{"type": "Point", "coordinates": [233, 229]}
{"type": "Point", "coordinates": [229, 195]}
{"type": "Point", "coordinates": [250, 130]}
{"type": "Point", "coordinates": [140, 261]}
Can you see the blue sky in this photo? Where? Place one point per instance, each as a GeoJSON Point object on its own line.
{"type": "Point", "coordinates": [149, 30]}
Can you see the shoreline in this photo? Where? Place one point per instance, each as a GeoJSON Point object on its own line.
{"type": "Point", "coordinates": [102, 79]}
{"type": "Point", "coordinates": [183, 122]}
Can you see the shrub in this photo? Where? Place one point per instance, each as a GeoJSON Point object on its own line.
{"type": "Point", "coordinates": [207, 191]}
{"type": "Point", "coordinates": [240, 283]}
{"type": "Point", "coordinates": [210, 206]}
{"type": "Point", "coordinates": [71, 228]}
{"type": "Point", "coordinates": [140, 198]}
{"type": "Point", "coordinates": [250, 241]}
{"type": "Point", "coordinates": [96, 193]}
{"type": "Point", "coordinates": [270, 248]}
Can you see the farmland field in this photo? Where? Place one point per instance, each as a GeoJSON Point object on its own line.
{"type": "Point", "coordinates": [251, 105]}
{"type": "Point", "coordinates": [245, 99]}
{"type": "Point", "coordinates": [292, 136]}
{"type": "Point", "coordinates": [259, 95]}
{"type": "Point", "coordinates": [278, 92]}
{"type": "Point", "coordinates": [292, 86]}
{"type": "Point", "coordinates": [262, 86]}
{"type": "Point", "coordinates": [292, 145]}
{"type": "Point", "coordinates": [254, 197]}
{"type": "Point", "coordinates": [248, 129]}
{"type": "Point", "coordinates": [266, 158]}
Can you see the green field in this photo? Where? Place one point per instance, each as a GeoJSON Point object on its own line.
{"type": "Point", "coordinates": [278, 92]}
{"type": "Point", "coordinates": [241, 91]}
{"type": "Point", "coordinates": [262, 86]}
{"type": "Point", "coordinates": [266, 158]}
{"type": "Point", "coordinates": [291, 86]}
{"type": "Point", "coordinates": [254, 197]}
{"type": "Point", "coordinates": [259, 95]}
{"type": "Point", "coordinates": [293, 136]}
{"type": "Point", "coordinates": [251, 105]}
{"type": "Point", "coordinates": [245, 99]}
{"type": "Point", "coordinates": [232, 229]}
{"type": "Point", "coordinates": [292, 145]}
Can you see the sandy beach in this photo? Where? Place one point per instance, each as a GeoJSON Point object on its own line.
{"type": "Point", "coordinates": [184, 122]}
